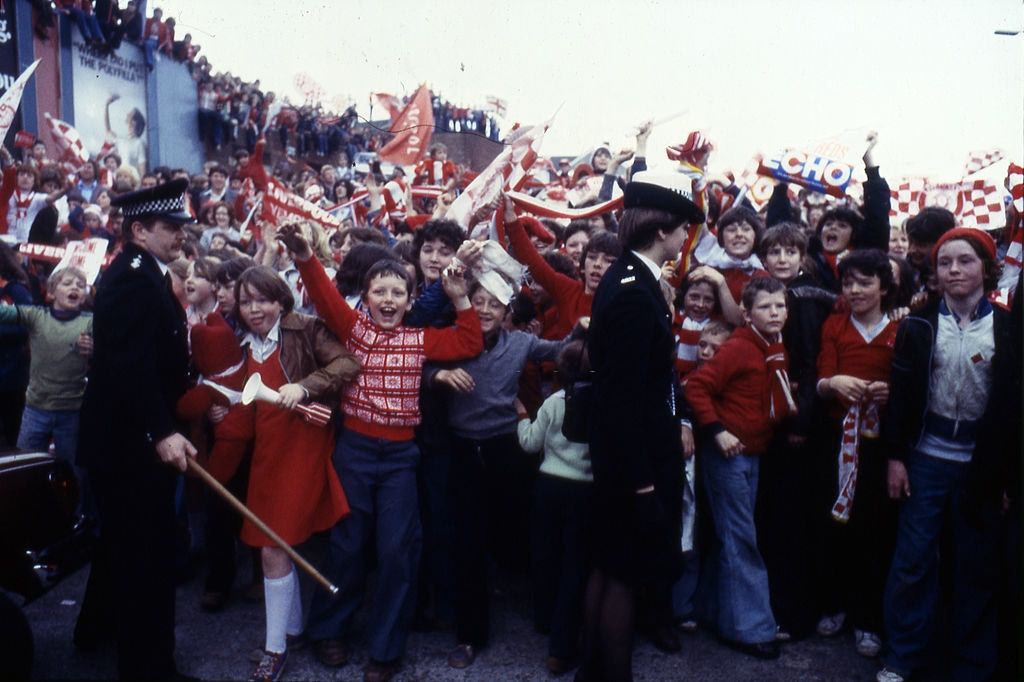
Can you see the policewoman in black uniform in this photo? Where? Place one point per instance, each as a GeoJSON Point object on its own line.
{"type": "Point", "coordinates": [129, 441]}
{"type": "Point", "coordinates": [635, 441]}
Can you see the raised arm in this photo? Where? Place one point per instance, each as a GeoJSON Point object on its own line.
{"type": "Point", "coordinates": [331, 305]}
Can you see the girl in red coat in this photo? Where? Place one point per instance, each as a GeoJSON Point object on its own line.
{"type": "Point", "coordinates": [853, 370]}
{"type": "Point", "coordinates": [292, 485]}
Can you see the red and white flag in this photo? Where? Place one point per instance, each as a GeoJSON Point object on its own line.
{"type": "Point", "coordinates": [1015, 185]}
{"type": "Point", "coordinates": [981, 205]}
{"type": "Point", "coordinates": [11, 99]}
{"type": "Point", "coordinates": [68, 141]}
{"type": "Point", "coordinates": [907, 200]}
{"type": "Point", "coordinates": [499, 105]}
{"type": "Point", "coordinates": [508, 171]}
{"type": "Point", "coordinates": [309, 87]}
{"type": "Point", "coordinates": [978, 160]}
{"type": "Point", "coordinates": [389, 102]}
{"type": "Point", "coordinates": [412, 130]}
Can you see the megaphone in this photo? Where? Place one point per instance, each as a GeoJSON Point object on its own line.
{"type": "Point", "coordinates": [314, 413]}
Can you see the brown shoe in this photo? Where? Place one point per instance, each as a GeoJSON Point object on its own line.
{"type": "Point", "coordinates": [377, 671]}
{"type": "Point", "coordinates": [462, 656]}
{"type": "Point", "coordinates": [332, 653]}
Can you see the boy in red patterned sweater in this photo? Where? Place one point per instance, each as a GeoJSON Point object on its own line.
{"type": "Point", "coordinates": [376, 455]}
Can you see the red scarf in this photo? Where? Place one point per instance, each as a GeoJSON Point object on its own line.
{"type": "Point", "coordinates": [780, 396]}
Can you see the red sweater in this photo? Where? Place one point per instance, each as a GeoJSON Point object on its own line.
{"type": "Point", "coordinates": [737, 278]}
{"type": "Point", "coordinates": [844, 350]}
{"type": "Point", "coordinates": [731, 391]}
{"type": "Point", "coordinates": [383, 401]}
{"type": "Point", "coordinates": [569, 295]}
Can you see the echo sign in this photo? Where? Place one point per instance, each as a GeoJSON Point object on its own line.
{"type": "Point", "coordinates": [815, 172]}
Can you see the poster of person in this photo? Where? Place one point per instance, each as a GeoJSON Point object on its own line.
{"type": "Point", "coordinates": [110, 101]}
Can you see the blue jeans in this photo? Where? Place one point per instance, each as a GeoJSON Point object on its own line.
{"type": "Point", "coordinates": [88, 25]}
{"type": "Point", "coordinates": [39, 427]}
{"type": "Point", "coordinates": [379, 478]}
{"type": "Point", "coordinates": [149, 50]}
{"type": "Point", "coordinates": [937, 490]}
{"type": "Point", "coordinates": [740, 607]}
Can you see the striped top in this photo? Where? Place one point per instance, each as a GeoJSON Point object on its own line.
{"type": "Point", "coordinates": [383, 401]}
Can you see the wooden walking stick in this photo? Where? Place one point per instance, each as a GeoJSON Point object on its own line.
{"type": "Point", "coordinates": [247, 513]}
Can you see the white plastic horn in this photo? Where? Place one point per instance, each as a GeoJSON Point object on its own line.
{"type": "Point", "coordinates": [314, 413]}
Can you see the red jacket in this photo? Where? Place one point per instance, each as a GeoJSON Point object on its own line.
{"type": "Point", "coordinates": [569, 295]}
{"type": "Point", "coordinates": [731, 391]}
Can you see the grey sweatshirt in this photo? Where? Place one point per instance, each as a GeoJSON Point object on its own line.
{"type": "Point", "coordinates": [489, 409]}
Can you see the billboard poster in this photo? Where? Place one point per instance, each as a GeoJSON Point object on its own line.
{"type": "Point", "coordinates": [110, 101]}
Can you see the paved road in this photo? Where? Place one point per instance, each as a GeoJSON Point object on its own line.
{"type": "Point", "coordinates": [217, 646]}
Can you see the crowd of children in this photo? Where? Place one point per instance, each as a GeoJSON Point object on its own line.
{"type": "Point", "coordinates": [816, 483]}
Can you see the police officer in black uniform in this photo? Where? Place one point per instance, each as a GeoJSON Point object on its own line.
{"type": "Point", "coordinates": [129, 441]}
{"type": "Point", "coordinates": [635, 439]}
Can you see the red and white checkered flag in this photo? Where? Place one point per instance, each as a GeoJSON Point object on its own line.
{"type": "Point", "coordinates": [68, 141]}
{"type": "Point", "coordinates": [981, 206]}
{"type": "Point", "coordinates": [978, 160]}
{"type": "Point", "coordinates": [1015, 185]}
{"type": "Point", "coordinates": [907, 200]}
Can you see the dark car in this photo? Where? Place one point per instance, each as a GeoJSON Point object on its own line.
{"type": "Point", "coordinates": [43, 538]}
{"type": "Point", "coordinates": [42, 535]}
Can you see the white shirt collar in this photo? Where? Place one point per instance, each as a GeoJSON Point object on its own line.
{"type": "Point", "coordinates": [163, 266]}
{"type": "Point", "coordinates": [870, 333]}
{"type": "Point", "coordinates": [651, 265]}
{"type": "Point", "coordinates": [261, 349]}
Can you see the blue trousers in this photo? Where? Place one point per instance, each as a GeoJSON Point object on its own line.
{"type": "Point", "coordinates": [39, 427]}
{"type": "Point", "coordinates": [740, 605]}
{"type": "Point", "coordinates": [379, 478]}
{"type": "Point", "coordinates": [937, 490]}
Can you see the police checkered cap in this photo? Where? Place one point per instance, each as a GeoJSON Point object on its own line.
{"type": "Point", "coordinates": [163, 201]}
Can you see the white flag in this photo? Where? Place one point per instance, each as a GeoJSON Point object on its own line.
{"type": "Point", "coordinates": [11, 100]}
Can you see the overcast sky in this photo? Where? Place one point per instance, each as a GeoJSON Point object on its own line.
{"type": "Point", "coordinates": [930, 76]}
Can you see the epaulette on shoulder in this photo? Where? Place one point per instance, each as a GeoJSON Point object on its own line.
{"type": "Point", "coordinates": [630, 277]}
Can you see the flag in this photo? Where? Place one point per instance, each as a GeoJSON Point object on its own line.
{"type": "Point", "coordinates": [981, 205]}
{"type": "Point", "coordinates": [389, 102]}
{"type": "Point", "coordinates": [499, 105]}
{"type": "Point", "coordinates": [508, 171]}
{"type": "Point", "coordinates": [69, 142]}
{"type": "Point", "coordinates": [412, 130]}
{"type": "Point", "coordinates": [1015, 185]}
{"type": "Point", "coordinates": [310, 89]}
{"type": "Point", "coordinates": [11, 99]}
{"type": "Point", "coordinates": [281, 205]}
{"type": "Point", "coordinates": [906, 200]}
{"type": "Point", "coordinates": [978, 160]}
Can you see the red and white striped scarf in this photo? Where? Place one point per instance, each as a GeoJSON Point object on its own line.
{"type": "Point", "coordinates": [859, 422]}
{"type": "Point", "coordinates": [687, 337]}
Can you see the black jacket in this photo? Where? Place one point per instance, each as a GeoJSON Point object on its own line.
{"type": "Point", "coordinates": [872, 234]}
{"type": "Point", "coordinates": [998, 443]}
{"type": "Point", "coordinates": [809, 306]}
{"type": "Point", "coordinates": [139, 367]}
{"type": "Point", "coordinates": [634, 430]}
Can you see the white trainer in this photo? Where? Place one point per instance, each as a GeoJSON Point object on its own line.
{"type": "Point", "coordinates": [886, 675]}
{"type": "Point", "coordinates": [869, 644]}
{"type": "Point", "coordinates": [830, 626]}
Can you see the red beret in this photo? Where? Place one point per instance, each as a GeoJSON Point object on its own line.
{"type": "Point", "coordinates": [977, 237]}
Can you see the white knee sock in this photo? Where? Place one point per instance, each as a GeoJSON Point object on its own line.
{"type": "Point", "coordinates": [295, 610]}
{"type": "Point", "coordinates": [278, 599]}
